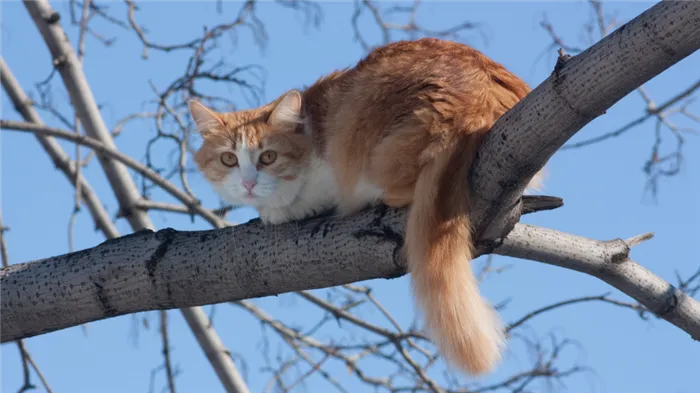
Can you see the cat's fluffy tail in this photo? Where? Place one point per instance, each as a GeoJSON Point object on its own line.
{"type": "Point", "coordinates": [466, 329]}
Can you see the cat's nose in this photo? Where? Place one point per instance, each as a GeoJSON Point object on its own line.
{"type": "Point", "coordinates": [249, 184]}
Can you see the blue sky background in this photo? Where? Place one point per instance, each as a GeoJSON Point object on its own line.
{"type": "Point", "coordinates": [602, 186]}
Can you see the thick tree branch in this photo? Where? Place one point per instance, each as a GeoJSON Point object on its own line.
{"type": "Point", "coordinates": [579, 90]}
{"type": "Point", "coordinates": [70, 69]}
{"type": "Point", "coordinates": [171, 269]}
{"type": "Point", "coordinates": [610, 262]}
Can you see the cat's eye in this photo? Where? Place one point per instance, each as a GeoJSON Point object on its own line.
{"type": "Point", "coordinates": [229, 159]}
{"type": "Point", "coordinates": [268, 157]}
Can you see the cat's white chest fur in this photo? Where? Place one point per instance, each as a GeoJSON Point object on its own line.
{"type": "Point", "coordinates": [318, 193]}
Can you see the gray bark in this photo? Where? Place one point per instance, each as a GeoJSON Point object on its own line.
{"type": "Point", "coordinates": [170, 269]}
{"type": "Point", "coordinates": [579, 90]}
{"type": "Point", "coordinates": [123, 186]}
{"type": "Point", "coordinates": [610, 262]}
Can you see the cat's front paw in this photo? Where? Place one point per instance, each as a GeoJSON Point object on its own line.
{"type": "Point", "coordinates": [271, 217]}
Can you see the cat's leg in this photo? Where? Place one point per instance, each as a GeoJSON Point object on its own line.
{"type": "Point", "coordinates": [396, 162]}
{"type": "Point", "coordinates": [348, 206]}
{"type": "Point", "coordinates": [362, 196]}
{"type": "Point", "coordinates": [397, 201]}
{"type": "Point", "coordinates": [274, 216]}
{"type": "Point", "coordinates": [350, 188]}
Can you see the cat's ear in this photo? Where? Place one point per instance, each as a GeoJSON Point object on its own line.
{"type": "Point", "coordinates": [287, 110]}
{"type": "Point", "coordinates": [203, 117]}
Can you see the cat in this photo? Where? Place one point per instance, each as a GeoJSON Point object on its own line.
{"type": "Point", "coordinates": [402, 128]}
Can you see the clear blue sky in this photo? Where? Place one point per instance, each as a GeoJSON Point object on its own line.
{"type": "Point", "coordinates": [602, 185]}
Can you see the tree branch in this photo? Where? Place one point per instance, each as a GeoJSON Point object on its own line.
{"type": "Point", "coordinates": [655, 111]}
{"type": "Point", "coordinates": [169, 372]}
{"type": "Point", "coordinates": [167, 269]}
{"type": "Point", "coordinates": [610, 262]}
{"type": "Point", "coordinates": [580, 89]}
{"type": "Point", "coordinates": [600, 298]}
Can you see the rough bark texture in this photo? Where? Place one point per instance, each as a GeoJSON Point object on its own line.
{"type": "Point", "coordinates": [579, 90]}
{"type": "Point", "coordinates": [610, 262]}
{"type": "Point", "coordinates": [170, 269]}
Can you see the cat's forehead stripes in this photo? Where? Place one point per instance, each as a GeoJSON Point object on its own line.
{"type": "Point", "coordinates": [244, 129]}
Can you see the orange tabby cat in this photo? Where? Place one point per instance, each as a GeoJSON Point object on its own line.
{"type": "Point", "coordinates": [401, 128]}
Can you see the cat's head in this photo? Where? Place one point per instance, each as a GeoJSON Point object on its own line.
{"type": "Point", "coordinates": [256, 157]}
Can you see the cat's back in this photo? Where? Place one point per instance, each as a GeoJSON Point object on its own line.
{"type": "Point", "coordinates": [417, 55]}
{"type": "Point", "coordinates": [401, 102]}
{"type": "Point", "coordinates": [444, 62]}
{"type": "Point", "coordinates": [395, 80]}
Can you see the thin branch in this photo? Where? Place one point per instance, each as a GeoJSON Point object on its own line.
{"type": "Point", "coordinates": [602, 298]}
{"type": "Point", "coordinates": [83, 29]}
{"type": "Point", "coordinates": [650, 112]}
{"type": "Point", "coordinates": [38, 372]}
{"type": "Point", "coordinates": [27, 384]}
{"type": "Point", "coordinates": [147, 44]}
{"type": "Point", "coordinates": [411, 28]}
{"type": "Point", "coordinates": [170, 375]}
{"type": "Point", "coordinates": [174, 208]}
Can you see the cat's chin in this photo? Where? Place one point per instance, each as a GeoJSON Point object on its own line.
{"type": "Point", "coordinates": [259, 202]}
{"type": "Point", "coordinates": [252, 201]}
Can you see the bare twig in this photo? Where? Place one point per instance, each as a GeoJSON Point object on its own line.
{"type": "Point", "coordinates": [83, 29]}
{"type": "Point", "coordinates": [411, 28]}
{"type": "Point", "coordinates": [650, 112]}
{"type": "Point", "coordinates": [170, 375]}
{"type": "Point", "coordinates": [27, 384]}
{"type": "Point", "coordinates": [602, 298]}
{"type": "Point", "coordinates": [170, 207]}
